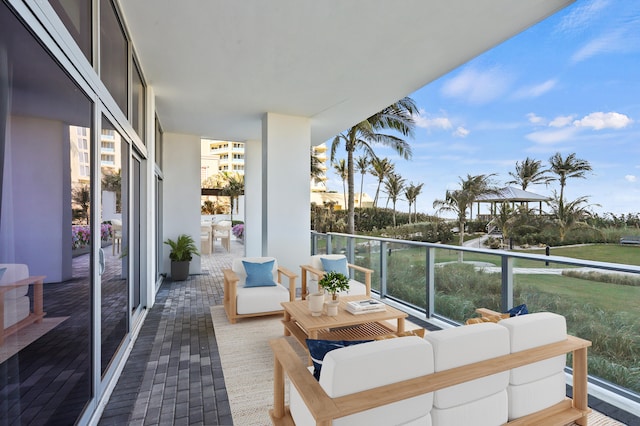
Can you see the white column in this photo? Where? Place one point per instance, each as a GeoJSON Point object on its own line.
{"type": "Point", "coordinates": [253, 198]}
{"type": "Point", "coordinates": [181, 206]}
{"type": "Point", "coordinates": [285, 189]}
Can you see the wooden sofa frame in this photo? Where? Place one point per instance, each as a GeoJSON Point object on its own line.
{"type": "Point", "coordinates": [318, 273]}
{"type": "Point", "coordinates": [230, 293]}
{"type": "Point", "coordinates": [324, 409]}
{"type": "Point", "coordinates": [35, 316]}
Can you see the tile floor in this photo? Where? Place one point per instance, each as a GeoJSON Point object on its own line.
{"type": "Point", "coordinates": [174, 376]}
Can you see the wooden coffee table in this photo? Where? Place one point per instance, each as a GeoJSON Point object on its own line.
{"type": "Point", "coordinates": [345, 326]}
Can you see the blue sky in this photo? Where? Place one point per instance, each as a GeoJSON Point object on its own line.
{"type": "Point", "coordinates": [569, 84]}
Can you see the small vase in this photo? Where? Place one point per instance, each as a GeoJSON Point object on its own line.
{"type": "Point", "coordinates": [332, 308]}
{"type": "Point", "coordinates": [316, 304]}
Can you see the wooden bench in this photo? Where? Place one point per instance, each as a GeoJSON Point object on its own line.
{"type": "Point", "coordinates": [324, 409]}
{"type": "Point", "coordinates": [631, 239]}
{"type": "Point", "coordinates": [35, 316]}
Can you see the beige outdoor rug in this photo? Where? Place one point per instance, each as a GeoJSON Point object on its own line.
{"type": "Point", "coordinates": [247, 363]}
{"type": "Point", "coordinates": [19, 340]}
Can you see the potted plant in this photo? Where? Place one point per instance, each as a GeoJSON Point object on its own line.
{"type": "Point", "coordinates": [182, 251]}
{"type": "Point", "coordinates": [334, 282]}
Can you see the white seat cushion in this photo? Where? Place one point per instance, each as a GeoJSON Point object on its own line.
{"type": "Point", "coordinates": [369, 365]}
{"type": "Point", "coordinates": [488, 411]}
{"type": "Point", "coordinates": [252, 300]}
{"type": "Point", "coordinates": [464, 345]}
{"type": "Point", "coordinates": [535, 396]}
{"type": "Point", "coordinates": [15, 310]}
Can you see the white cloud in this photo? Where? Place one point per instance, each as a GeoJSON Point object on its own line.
{"type": "Point", "coordinates": [608, 43]}
{"type": "Point", "coordinates": [461, 132]}
{"type": "Point", "coordinates": [535, 119]}
{"type": "Point", "coordinates": [477, 87]}
{"type": "Point", "coordinates": [426, 121]}
{"type": "Point", "coordinates": [535, 91]}
{"type": "Point", "coordinates": [581, 16]}
{"type": "Point", "coordinates": [562, 121]}
{"type": "Point", "coordinates": [631, 178]}
{"type": "Point", "coordinates": [547, 137]}
{"type": "Point", "coordinates": [602, 120]}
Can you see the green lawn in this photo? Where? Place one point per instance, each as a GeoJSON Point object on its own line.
{"type": "Point", "coordinates": [608, 297]}
{"type": "Point", "coordinates": [613, 253]}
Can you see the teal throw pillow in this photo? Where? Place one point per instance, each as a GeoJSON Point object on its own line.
{"type": "Point", "coordinates": [259, 274]}
{"type": "Point", "coordinates": [337, 265]}
{"type": "Point", "coordinates": [319, 348]}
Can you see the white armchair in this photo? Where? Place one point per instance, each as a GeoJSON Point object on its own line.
{"type": "Point", "coordinates": [253, 288]}
{"type": "Point", "coordinates": [222, 231]}
{"type": "Point", "coordinates": [14, 299]}
{"type": "Point", "coordinates": [321, 263]}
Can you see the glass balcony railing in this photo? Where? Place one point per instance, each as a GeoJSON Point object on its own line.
{"type": "Point", "coordinates": [600, 301]}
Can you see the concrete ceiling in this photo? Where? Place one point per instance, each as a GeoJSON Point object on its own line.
{"type": "Point", "coordinates": [218, 65]}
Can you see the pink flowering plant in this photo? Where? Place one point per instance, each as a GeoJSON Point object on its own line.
{"type": "Point", "coordinates": [238, 231]}
{"type": "Point", "coordinates": [81, 234]}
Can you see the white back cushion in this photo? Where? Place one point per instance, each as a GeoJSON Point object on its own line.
{"type": "Point", "coordinates": [238, 267]}
{"type": "Point", "coordinates": [14, 272]}
{"type": "Point", "coordinates": [369, 365]}
{"type": "Point", "coordinates": [464, 345]}
{"type": "Point", "coordinates": [530, 331]}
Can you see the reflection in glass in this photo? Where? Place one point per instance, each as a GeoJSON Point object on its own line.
{"type": "Point", "coordinates": [114, 288]}
{"type": "Point", "coordinates": [137, 102]}
{"type": "Point", "coordinates": [114, 55]}
{"type": "Point", "coordinates": [45, 233]}
{"type": "Point", "coordinates": [76, 17]}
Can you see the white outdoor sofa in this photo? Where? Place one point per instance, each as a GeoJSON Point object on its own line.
{"type": "Point", "coordinates": [510, 372]}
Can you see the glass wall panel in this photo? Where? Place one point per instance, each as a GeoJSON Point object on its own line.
{"type": "Point", "coordinates": [46, 212]}
{"type": "Point", "coordinates": [114, 289]}
{"type": "Point", "coordinates": [158, 143]}
{"type": "Point", "coordinates": [114, 55]}
{"type": "Point", "coordinates": [76, 16]}
{"type": "Point", "coordinates": [138, 102]}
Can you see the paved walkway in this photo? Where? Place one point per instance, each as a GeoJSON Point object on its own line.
{"type": "Point", "coordinates": [173, 375]}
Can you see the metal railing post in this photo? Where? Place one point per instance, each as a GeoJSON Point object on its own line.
{"type": "Point", "coordinates": [383, 268]}
{"type": "Point", "coordinates": [430, 280]}
{"type": "Point", "coordinates": [507, 283]}
{"type": "Point", "coordinates": [329, 249]}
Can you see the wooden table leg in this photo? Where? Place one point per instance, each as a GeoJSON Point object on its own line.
{"type": "Point", "coordinates": [1, 318]}
{"type": "Point", "coordinates": [400, 325]}
{"type": "Point", "coordinates": [278, 390]}
{"type": "Point", "coordinates": [287, 319]}
{"type": "Point", "coordinates": [37, 300]}
{"type": "Point", "coordinates": [580, 394]}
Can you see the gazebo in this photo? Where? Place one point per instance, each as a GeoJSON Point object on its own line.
{"type": "Point", "coordinates": [511, 195]}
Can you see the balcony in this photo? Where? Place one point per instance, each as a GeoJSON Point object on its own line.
{"type": "Point", "coordinates": [175, 371]}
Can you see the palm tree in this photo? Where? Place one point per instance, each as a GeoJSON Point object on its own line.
{"type": "Point", "coordinates": [362, 165]}
{"type": "Point", "coordinates": [380, 168]}
{"type": "Point", "coordinates": [529, 172]}
{"type": "Point", "coordinates": [234, 188]}
{"type": "Point", "coordinates": [393, 188]}
{"type": "Point", "coordinates": [81, 196]}
{"type": "Point", "coordinates": [397, 117]}
{"type": "Point", "coordinates": [570, 167]}
{"type": "Point", "coordinates": [341, 169]}
{"type": "Point", "coordinates": [411, 193]}
{"type": "Point", "coordinates": [316, 170]}
{"type": "Point", "coordinates": [569, 215]}
{"type": "Point", "coordinates": [458, 201]}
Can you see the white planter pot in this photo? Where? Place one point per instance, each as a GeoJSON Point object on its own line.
{"type": "Point", "coordinates": [332, 308]}
{"type": "Point", "coordinates": [316, 304]}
